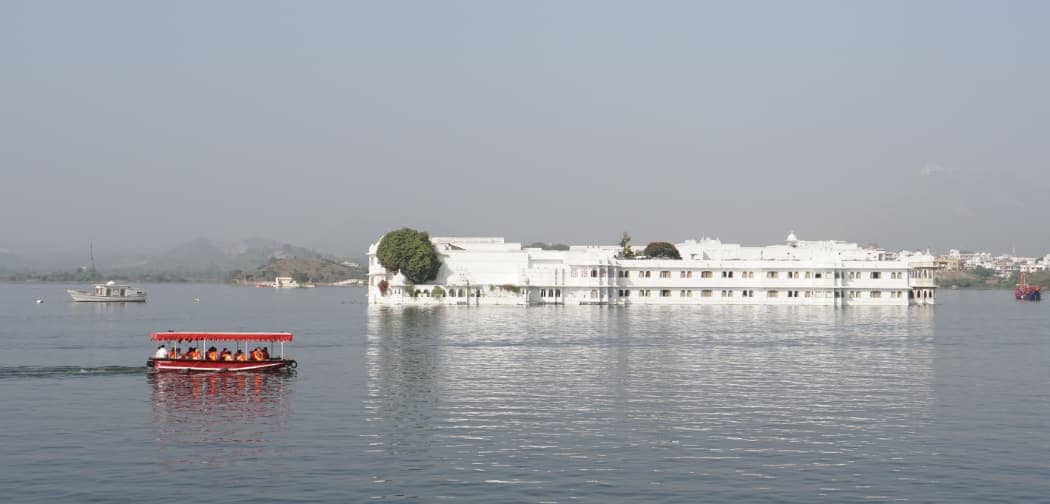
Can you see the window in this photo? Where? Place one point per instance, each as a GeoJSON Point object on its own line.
{"type": "Point", "coordinates": [792, 274]}
{"type": "Point", "coordinates": [707, 293]}
{"type": "Point", "coordinates": [818, 275]}
{"type": "Point", "coordinates": [594, 273]}
{"type": "Point", "coordinates": [644, 274]}
{"type": "Point", "coordinates": [665, 293]}
{"type": "Point", "coordinates": [809, 274]}
{"type": "Point", "coordinates": [706, 274]}
{"type": "Point", "coordinates": [543, 293]}
{"type": "Point", "coordinates": [685, 274]}
{"type": "Point", "coordinates": [727, 274]}
{"type": "Point", "coordinates": [594, 293]}
{"type": "Point", "coordinates": [875, 275]}
{"type": "Point", "coordinates": [745, 293]}
{"type": "Point", "coordinates": [809, 294]}
{"type": "Point", "coordinates": [557, 293]}
{"type": "Point", "coordinates": [876, 295]}
{"type": "Point", "coordinates": [771, 274]}
{"type": "Point", "coordinates": [746, 274]}
{"type": "Point", "coordinates": [665, 274]}
{"type": "Point", "coordinates": [792, 294]}
{"type": "Point", "coordinates": [772, 294]}
{"type": "Point", "coordinates": [838, 274]}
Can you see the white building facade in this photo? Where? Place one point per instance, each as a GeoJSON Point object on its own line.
{"type": "Point", "coordinates": [489, 271]}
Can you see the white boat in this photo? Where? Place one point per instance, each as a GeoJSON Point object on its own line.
{"type": "Point", "coordinates": [109, 292]}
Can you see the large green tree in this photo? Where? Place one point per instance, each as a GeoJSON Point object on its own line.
{"type": "Point", "coordinates": [662, 250]}
{"type": "Point", "coordinates": [410, 252]}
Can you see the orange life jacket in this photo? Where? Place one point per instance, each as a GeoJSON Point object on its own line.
{"type": "Point", "coordinates": [196, 355]}
{"type": "Point", "coordinates": [257, 355]}
{"type": "Point", "coordinates": [226, 356]}
{"type": "Point", "coordinates": [241, 357]}
{"type": "Point", "coordinates": [213, 355]}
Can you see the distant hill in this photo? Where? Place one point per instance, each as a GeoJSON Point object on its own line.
{"type": "Point", "coordinates": [204, 256]}
{"type": "Point", "coordinates": [308, 269]}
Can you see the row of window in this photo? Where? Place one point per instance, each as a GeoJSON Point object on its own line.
{"type": "Point", "coordinates": [550, 293]}
{"type": "Point", "coordinates": [750, 293]}
{"type": "Point", "coordinates": [853, 275]}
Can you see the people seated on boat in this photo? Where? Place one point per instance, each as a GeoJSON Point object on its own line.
{"type": "Point", "coordinates": [265, 353]}
{"type": "Point", "coordinates": [213, 354]}
{"type": "Point", "coordinates": [239, 356]}
{"type": "Point", "coordinates": [195, 354]}
{"type": "Point", "coordinates": [225, 354]}
{"type": "Point", "coordinates": [161, 353]}
{"type": "Point", "coordinates": [188, 354]}
{"type": "Point", "coordinates": [257, 354]}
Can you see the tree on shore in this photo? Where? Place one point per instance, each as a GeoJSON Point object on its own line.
{"type": "Point", "coordinates": [410, 252]}
{"type": "Point", "coordinates": [662, 250]}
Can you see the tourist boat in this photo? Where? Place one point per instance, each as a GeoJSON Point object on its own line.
{"type": "Point", "coordinates": [249, 339]}
{"type": "Point", "coordinates": [1025, 292]}
{"type": "Point", "coordinates": [109, 292]}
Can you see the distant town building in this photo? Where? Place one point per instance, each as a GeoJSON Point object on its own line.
{"type": "Point", "coordinates": [948, 263]}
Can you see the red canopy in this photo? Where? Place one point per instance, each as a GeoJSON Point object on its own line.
{"type": "Point", "coordinates": [222, 336]}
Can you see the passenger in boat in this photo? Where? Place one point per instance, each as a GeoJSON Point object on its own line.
{"type": "Point", "coordinates": [256, 355]}
{"type": "Point", "coordinates": [196, 354]}
{"type": "Point", "coordinates": [225, 354]}
{"type": "Point", "coordinates": [213, 354]}
{"type": "Point", "coordinates": [239, 356]}
{"type": "Point", "coordinates": [188, 354]}
{"type": "Point", "coordinates": [161, 353]}
{"type": "Point", "coordinates": [265, 353]}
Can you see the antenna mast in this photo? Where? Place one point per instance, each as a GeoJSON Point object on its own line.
{"type": "Point", "coordinates": [92, 257]}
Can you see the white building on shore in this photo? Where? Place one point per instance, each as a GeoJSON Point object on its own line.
{"type": "Point", "coordinates": [486, 271]}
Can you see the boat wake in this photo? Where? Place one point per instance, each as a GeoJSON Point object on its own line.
{"type": "Point", "coordinates": [66, 371]}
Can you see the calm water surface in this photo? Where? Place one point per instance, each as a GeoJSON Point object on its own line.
{"type": "Point", "coordinates": [546, 404]}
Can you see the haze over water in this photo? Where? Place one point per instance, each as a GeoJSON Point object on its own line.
{"type": "Point", "coordinates": [545, 404]}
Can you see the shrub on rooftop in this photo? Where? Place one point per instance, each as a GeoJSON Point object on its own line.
{"type": "Point", "coordinates": [662, 250]}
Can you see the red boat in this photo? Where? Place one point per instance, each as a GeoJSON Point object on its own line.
{"type": "Point", "coordinates": [178, 363]}
{"type": "Point", "coordinates": [1025, 292]}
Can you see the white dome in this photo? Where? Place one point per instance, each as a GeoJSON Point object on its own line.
{"type": "Point", "coordinates": [399, 280]}
{"type": "Point", "coordinates": [792, 238]}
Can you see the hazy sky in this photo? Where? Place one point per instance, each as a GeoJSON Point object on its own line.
{"type": "Point", "coordinates": [144, 124]}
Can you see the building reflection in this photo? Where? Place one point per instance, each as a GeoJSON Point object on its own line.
{"type": "Point", "coordinates": [470, 377]}
{"type": "Point", "coordinates": [232, 414]}
{"type": "Point", "coordinates": [403, 361]}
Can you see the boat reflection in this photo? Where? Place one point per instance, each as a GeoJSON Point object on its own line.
{"type": "Point", "coordinates": [212, 417]}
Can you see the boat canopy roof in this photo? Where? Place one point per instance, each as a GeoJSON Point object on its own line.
{"type": "Point", "coordinates": [221, 336]}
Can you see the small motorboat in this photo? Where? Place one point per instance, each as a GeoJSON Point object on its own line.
{"type": "Point", "coordinates": [178, 361]}
{"type": "Point", "coordinates": [109, 292]}
{"type": "Point", "coordinates": [1025, 292]}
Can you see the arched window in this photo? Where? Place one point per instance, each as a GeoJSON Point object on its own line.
{"type": "Point", "coordinates": [594, 273]}
{"type": "Point", "coordinates": [594, 293]}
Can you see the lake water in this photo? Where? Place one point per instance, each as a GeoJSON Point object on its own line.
{"type": "Point", "coordinates": [545, 404]}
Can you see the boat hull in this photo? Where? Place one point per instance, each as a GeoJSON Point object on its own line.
{"type": "Point", "coordinates": [87, 297]}
{"type": "Point", "coordinates": [219, 366]}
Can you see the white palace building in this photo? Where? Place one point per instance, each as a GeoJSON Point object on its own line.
{"type": "Point", "coordinates": [489, 271]}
